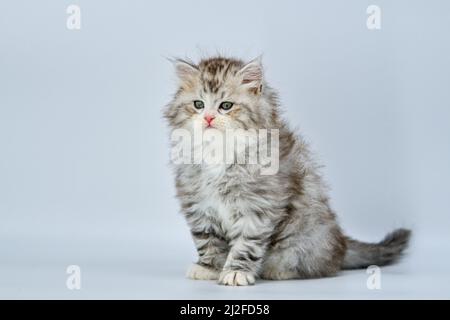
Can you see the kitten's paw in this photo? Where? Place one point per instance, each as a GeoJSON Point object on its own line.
{"type": "Point", "coordinates": [236, 278]}
{"type": "Point", "coordinates": [198, 272]}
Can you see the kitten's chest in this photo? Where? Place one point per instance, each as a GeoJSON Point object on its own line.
{"type": "Point", "coordinates": [217, 199]}
{"type": "Point", "coordinates": [217, 213]}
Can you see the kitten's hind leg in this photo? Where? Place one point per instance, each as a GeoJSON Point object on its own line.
{"type": "Point", "coordinates": [280, 264]}
{"type": "Point", "coordinates": [305, 256]}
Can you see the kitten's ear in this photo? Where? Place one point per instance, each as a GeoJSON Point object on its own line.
{"type": "Point", "coordinates": [252, 75]}
{"type": "Point", "coordinates": [185, 70]}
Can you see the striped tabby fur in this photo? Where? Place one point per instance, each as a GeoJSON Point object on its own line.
{"type": "Point", "coordinates": [246, 225]}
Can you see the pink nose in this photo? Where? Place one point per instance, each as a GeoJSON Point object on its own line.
{"type": "Point", "coordinates": [209, 118]}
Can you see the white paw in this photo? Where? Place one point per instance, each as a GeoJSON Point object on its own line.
{"type": "Point", "coordinates": [236, 278]}
{"type": "Point", "coordinates": [198, 272]}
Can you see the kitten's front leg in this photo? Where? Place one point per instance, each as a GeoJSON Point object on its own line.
{"type": "Point", "coordinates": [244, 260]}
{"type": "Point", "coordinates": [212, 252]}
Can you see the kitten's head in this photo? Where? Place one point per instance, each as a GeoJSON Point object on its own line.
{"type": "Point", "coordinates": [219, 93]}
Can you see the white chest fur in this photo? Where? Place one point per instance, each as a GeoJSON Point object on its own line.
{"type": "Point", "coordinates": [212, 202]}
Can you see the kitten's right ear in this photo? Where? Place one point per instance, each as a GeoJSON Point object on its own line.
{"type": "Point", "coordinates": [186, 71]}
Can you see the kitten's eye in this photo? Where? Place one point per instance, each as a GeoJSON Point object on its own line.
{"type": "Point", "coordinates": [198, 104]}
{"type": "Point", "coordinates": [226, 105]}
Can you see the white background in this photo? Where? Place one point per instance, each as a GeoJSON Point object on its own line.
{"type": "Point", "coordinates": [84, 174]}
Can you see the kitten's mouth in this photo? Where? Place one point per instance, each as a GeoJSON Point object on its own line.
{"type": "Point", "coordinates": [211, 128]}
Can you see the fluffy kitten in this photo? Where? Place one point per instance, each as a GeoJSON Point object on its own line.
{"type": "Point", "coordinates": [246, 225]}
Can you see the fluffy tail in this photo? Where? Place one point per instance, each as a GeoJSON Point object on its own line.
{"type": "Point", "coordinates": [389, 250]}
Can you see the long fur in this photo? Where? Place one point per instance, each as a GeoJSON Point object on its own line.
{"type": "Point", "coordinates": [246, 225]}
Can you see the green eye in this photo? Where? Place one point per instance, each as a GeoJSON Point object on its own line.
{"type": "Point", "coordinates": [226, 105]}
{"type": "Point", "coordinates": [198, 104]}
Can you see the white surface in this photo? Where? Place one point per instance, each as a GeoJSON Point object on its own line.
{"type": "Point", "coordinates": [143, 268]}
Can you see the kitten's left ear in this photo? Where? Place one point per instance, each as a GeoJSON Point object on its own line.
{"type": "Point", "coordinates": [252, 75]}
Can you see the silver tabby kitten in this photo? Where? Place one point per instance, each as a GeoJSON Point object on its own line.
{"type": "Point", "coordinates": [247, 225]}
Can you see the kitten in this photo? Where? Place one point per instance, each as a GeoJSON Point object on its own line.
{"type": "Point", "coordinates": [247, 225]}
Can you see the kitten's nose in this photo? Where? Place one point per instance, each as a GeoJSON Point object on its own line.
{"type": "Point", "coordinates": [209, 118]}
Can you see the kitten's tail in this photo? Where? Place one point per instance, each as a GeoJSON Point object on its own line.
{"type": "Point", "coordinates": [389, 250]}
